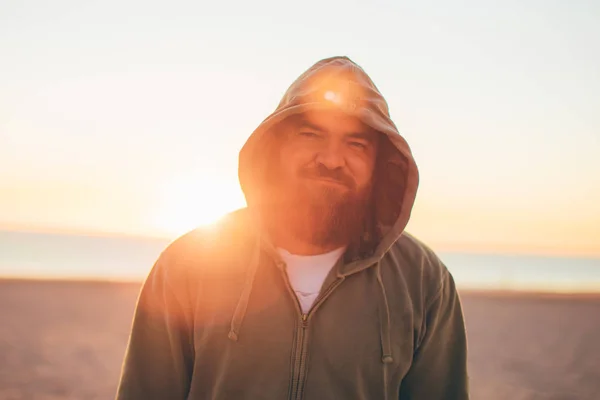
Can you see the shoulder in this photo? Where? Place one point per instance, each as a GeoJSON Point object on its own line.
{"type": "Point", "coordinates": [210, 248]}
{"type": "Point", "coordinates": [421, 267]}
{"type": "Point", "coordinates": [229, 231]}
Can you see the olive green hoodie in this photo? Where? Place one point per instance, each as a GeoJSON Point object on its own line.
{"type": "Point", "coordinates": [217, 318]}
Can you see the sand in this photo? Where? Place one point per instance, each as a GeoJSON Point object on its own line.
{"type": "Point", "coordinates": [65, 340]}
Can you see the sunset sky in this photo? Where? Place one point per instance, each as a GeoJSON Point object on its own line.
{"type": "Point", "coordinates": [127, 116]}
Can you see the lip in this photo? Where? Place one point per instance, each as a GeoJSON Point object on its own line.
{"type": "Point", "coordinates": [329, 182]}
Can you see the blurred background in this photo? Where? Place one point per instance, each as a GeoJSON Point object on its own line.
{"type": "Point", "coordinates": [121, 123]}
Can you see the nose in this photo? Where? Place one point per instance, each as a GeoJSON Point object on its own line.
{"type": "Point", "coordinates": [331, 156]}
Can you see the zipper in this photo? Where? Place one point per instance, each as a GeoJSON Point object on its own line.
{"type": "Point", "coordinates": [300, 336]}
{"type": "Point", "coordinates": [299, 368]}
{"type": "Point", "coordinates": [302, 364]}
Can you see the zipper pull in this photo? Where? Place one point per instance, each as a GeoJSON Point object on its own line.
{"type": "Point", "coordinates": [304, 320]}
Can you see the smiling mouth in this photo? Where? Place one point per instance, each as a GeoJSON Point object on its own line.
{"type": "Point", "coordinates": [329, 181]}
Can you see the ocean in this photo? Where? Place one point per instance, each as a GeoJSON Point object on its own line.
{"type": "Point", "coordinates": [60, 256]}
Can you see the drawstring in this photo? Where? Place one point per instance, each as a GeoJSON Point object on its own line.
{"type": "Point", "coordinates": [242, 305]}
{"type": "Point", "coordinates": [384, 332]}
{"type": "Point", "coordinates": [384, 318]}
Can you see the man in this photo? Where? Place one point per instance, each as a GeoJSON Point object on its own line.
{"type": "Point", "coordinates": [314, 291]}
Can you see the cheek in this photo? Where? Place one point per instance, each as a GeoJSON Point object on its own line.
{"type": "Point", "coordinates": [294, 159]}
{"type": "Point", "coordinates": [362, 169]}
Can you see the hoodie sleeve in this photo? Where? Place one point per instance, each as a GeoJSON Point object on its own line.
{"type": "Point", "coordinates": [159, 357]}
{"type": "Point", "coordinates": [439, 368]}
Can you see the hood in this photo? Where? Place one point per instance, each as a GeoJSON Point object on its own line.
{"type": "Point", "coordinates": [338, 83]}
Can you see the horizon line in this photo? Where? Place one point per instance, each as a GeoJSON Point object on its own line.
{"type": "Point", "coordinates": [439, 247]}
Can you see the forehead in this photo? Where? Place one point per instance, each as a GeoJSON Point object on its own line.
{"type": "Point", "coordinates": [334, 123]}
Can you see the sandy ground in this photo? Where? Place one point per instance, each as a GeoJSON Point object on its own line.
{"type": "Point", "coordinates": [65, 340]}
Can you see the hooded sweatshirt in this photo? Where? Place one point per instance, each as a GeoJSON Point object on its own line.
{"type": "Point", "coordinates": [217, 318]}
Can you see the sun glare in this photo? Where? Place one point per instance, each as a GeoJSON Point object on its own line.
{"type": "Point", "coordinates": [187, 204]}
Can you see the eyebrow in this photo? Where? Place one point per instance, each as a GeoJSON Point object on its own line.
{"type": "Point", "coordinates": [307, 125]}
{"type": "Point", "coordinates": [368, 135]}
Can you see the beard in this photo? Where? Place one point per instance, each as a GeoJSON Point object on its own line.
{"type": "Point", "coordinates": [320, 214]}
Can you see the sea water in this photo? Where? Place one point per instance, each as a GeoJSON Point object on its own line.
{"type": "Point", "coordinates": [60, 256]}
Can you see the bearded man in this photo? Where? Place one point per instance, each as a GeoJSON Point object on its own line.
{"type": "Point", "coordinates": [314, 290]}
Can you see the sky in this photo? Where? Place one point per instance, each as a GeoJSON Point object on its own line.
{"type": "Point", "coordinates": [127, 116]}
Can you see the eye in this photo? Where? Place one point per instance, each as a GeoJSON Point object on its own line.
{"type": "Point", "coordinates": [308, 134]}
{"type": "Point", "coordinates": [358, 145]}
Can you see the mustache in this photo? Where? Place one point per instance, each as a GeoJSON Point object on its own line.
{"type": "Point", "coordinates": [322, 172]}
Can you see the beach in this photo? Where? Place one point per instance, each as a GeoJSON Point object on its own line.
{"type": "Point", "coordinates": [65, 340]}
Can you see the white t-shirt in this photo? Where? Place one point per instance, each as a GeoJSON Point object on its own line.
{"type": "Point", "coordinates": [307, 274]}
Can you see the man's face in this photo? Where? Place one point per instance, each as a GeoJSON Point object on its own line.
{"type": "Point", "coordinates": [324, 178]}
